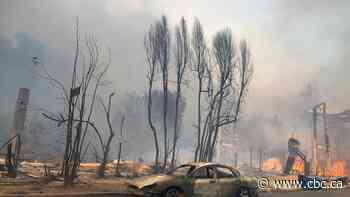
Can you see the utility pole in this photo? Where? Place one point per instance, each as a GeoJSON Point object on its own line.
{"type": "Point", "coordinates": [314, 141]}
{"type": "Point", "coordinates": [315, 162]}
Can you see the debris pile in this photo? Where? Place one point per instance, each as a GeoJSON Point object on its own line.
{"type": "Point", "coordinates": [127, 168]}
{"type": "Point", "coordinates": [38, 169]}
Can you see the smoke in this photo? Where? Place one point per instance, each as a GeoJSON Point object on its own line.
{"type": "Point", "coordinates": [295, 44]}
{"type": "Point", "coordinates": [138, 138]}
{"type": "Point", "coordinates": [15, 55]}
{"type": "Point", "coordinates": [310, 66]}
{"type": "Point", "coordinates": [15, 65]}
{"type": "Point", "coordinates": [43, 140]}
{"type": "Point", "coordinates": [317, 31]}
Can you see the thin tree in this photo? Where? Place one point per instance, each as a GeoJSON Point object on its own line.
{"type": "Point", "coordinates": [163, 41]}
{"type": "Point", "coordinates": [94, 52]}
{"type": "Point", "coordinates": [224, 50]}
{"type": "Point", "coordinates": [181, 57]}
{"type": "Point", "coordinates": [77, 102]}
{"type": "Point", "coordinates": [199, 62]}
{"type": "Point", "coordinates": [106, 148]}
{"type": "Point", "coordinates": [245, 69]}
{"type": "Point", "coordinates": [117, 172]}
{"type": "Point", "coordinates": [152, 55]}
{"type": "Point", "coordinates": [234, 72]}
{"type": "Point", "coordinates": [85, 83]}
{"type": "Point", "coordinates": [241, 75]}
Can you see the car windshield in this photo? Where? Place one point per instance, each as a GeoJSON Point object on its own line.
{"type": "Point", "coordinates": [182, 170]}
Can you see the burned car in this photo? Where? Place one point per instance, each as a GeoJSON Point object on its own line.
{"type": "Point", "coordinates": [196, 179]}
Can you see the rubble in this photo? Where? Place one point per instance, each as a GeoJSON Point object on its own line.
{"type": "Point", "coordinates": [127, 168]}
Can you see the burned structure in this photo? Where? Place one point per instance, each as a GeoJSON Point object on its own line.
{"type": "Point", "coordinates": [13, 145]}
{"type": "Point", "coordinates": [325, 148]}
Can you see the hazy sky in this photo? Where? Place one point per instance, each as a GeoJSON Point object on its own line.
{"type": "Point", "coordinates": [293, 43]}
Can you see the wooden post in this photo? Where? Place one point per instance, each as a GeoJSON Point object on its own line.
{"type": "Point", "coordinates": [236, 159]}
{"type": "Point", "coordinates": [250, 157]}
{"type": "Point", "coordinates": [260, 159]}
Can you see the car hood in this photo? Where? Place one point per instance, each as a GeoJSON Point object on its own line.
{"type": "Point", "coordinates": [150, 180]}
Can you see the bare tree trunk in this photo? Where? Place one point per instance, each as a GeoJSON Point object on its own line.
{"type": "Point", "coordinates": [117, 168]}
{"type": "Point", "coordinates": [216, 131]}
{"type": "Point", "coordinates": [152, 55]}
{"type": "Point", "coordinates": [199, 121]}
{"type": "Point", "coordinates": [181, 56]}
{"type": "Point", "coordinates": [199, 49]}
{"type": "Point", "coordinates": [68, 180]}
{"type": "Point", "coordinates": [155, 136]}
{"type": "Point", "coordinates": [224, 52]}
{"type": "Point", "coordinates": [102, 167]}
{"type": "Point", "coordinates": [94, 49]}
{"type": "Point", "coordinates": [106, 148]}
{"type": "Point", "coordinates": [175, 129]}
{"type": "Point", "coordinates": [165, 126]}
{"type": "Point", "coordinates": [76, 101]}
{"type": "Point", "coordinates": [246, 73]}
{"type": "Point", "coordinates": [163, 41]}
{"type": "Point", "coordinates": [117, 172]}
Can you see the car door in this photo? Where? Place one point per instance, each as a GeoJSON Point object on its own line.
{"type": "Point", "coordinates": [228, 181]}
{"type": "Point", "coordinates": [204, 182]}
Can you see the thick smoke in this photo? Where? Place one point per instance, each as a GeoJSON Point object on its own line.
{"type": "Point", "coordinates": [315, 37]}
{"type": "Point", "coordinates": [296, 45]}
{"type": "Point", "coordinates": [15, 55]}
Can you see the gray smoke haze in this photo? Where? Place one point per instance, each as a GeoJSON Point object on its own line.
{"type": "Point", "coordinates": [137, 137]}
{"type": "Point", "coordinates": [312, 39]}
{"type": "Point", "coordinates": [294, 43]}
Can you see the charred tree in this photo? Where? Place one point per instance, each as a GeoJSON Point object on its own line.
{"type": "Point", "coordinates": [224, 52]}
{"type": "Point", "coordinates": [152, 55]}
{"type": "Point", "coordinates": [199, 62]}
{"type": "Point", "coordinates": [106, 147]}
{"type": "Point", "coordinates": [79, 103]}
{"type": "Point", "coordinates": [181, 57]}
{"type": "Point", "coordinates": [163, 41]}
{"type": "Point", "coordinates": [232, 71]}
{"type": "Point", "coordinates": [117, 171]}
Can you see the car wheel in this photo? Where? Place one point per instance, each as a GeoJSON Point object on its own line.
{"type": "Point", "coordinates": [173, 192]}
{"type": "Point", "coordinates": [244, 192]}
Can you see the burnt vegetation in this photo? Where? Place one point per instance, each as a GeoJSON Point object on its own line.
{"type": "Point", "coordinates": [218, 69]}
{"type": "Point", "coordinates": [222, 73]}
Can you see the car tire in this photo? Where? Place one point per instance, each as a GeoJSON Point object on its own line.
{"type": "Point", "coordinates": [246, 192]}
{"type": "Point", "coordinates": [173, 192]}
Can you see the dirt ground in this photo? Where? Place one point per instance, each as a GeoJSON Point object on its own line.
{"type": "Point", "coordinates": [113, 186]}
{"type": "Point", "coordinates": [44, 187]}
{"type": "Point", "coordinates": [31, 179]}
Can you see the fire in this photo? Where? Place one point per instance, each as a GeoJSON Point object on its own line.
{"type": "Point", "coordinates": [339, 168]}
{"type": "Point", "coordinates": [298, 166]}
{"type": "Point", "coordinates": [272, 165]}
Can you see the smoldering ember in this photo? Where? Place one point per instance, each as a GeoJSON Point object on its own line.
{"type": "Point", "coordinates": [174, 98]}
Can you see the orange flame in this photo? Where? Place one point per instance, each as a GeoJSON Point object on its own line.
{"type": "Point", "coordinates": [298, 166]}
{"type": "Point", "coordinates": [272, 165]}
{"type": "Point", "coordinates": [338, 168]}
